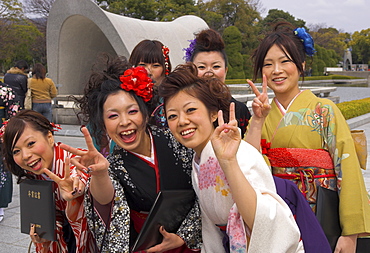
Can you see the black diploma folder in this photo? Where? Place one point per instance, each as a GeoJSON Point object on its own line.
{"type": "Point", "coordinates": [37, 207]}
{"type": "Point", "coordinates": [169, 210]}
{"type": "Point", "coordinates": [327, 213]}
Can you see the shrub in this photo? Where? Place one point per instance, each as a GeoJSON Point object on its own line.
{"type": "Point", "coordinates": [354, 108]}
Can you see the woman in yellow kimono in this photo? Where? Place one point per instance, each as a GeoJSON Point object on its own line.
{"type": "Point", "coordinates": [306, 138]}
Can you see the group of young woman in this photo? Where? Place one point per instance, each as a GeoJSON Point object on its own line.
{"type": "Point", "coordinates": [183, 130]}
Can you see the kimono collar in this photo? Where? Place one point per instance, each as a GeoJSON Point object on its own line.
{"type": "Point", "coordinates": [151, 158]}
{"type": "Point", "coordinates": [281, 108]}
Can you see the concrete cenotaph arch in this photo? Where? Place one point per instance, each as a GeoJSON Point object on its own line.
{"type": "Point", "coordinates": [78, 30]}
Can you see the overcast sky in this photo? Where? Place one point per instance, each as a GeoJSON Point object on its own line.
{"type": "Point", "coordinates": [344, 15]}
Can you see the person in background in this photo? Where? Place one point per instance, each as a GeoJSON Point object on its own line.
{"type": "Point", "coordinates": [30, 152]}
{"type": "Point", "coordinates": [305, 138]}
{"type": "Point", "coordinates": [146, 159]}
{"type": "Point", "coordinates": [9, 106]}
{"type": "Point", "coordinates": [207, 52]}
{"type": "Point", "coordinates": [154, 57]}
{"type": "Point", "coordinates": [236, 191]}
{"type": "Point", "coordinates": [16, 78]}
{"type": "Point", "coordinates": [43, 90]}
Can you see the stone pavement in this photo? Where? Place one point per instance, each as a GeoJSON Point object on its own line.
{"type": "Point", "coordinates": [12, 240]}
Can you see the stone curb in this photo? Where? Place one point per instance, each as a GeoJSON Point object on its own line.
{"type": "Point", "coordinates": [359, 121]}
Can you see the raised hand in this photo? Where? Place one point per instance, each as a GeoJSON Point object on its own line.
{"type": "Point", "coordinates": [70, 188]}
{"type": "Point", "coordinates": [89, 161]}
{"type": "Point", "coordinates": [226, 137]}
{"type": "Point", "coordinates": [260, 105]}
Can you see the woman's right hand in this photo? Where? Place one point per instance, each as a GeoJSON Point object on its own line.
{"type": "Point", "coordinates": [89, 161]}
{"type": "Point", "coordinates": [69, 187]}
{"type": "Point", "coordinates": [260, 105]}
{"type": "Point", "coordinates": [35, 237]}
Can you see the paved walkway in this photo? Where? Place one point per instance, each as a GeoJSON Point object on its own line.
{"type": "Point", "coordinates": [12, 240]}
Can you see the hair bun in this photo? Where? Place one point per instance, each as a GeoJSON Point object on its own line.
{"type": "Point", "coordinates": [209, 40]}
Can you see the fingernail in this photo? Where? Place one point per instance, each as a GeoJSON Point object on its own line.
{"type": "Point", "coordinates": [74, 192]}
{"type": "Point", "coordinates": [32, 225]}
{"type": "Point", "coordinates": [79, 191]}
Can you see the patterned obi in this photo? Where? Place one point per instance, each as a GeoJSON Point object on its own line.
{"type": "Point", "coordinates": [308, 168]}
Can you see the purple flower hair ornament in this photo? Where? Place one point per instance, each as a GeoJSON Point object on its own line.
{"type": "Point", "coordinates": [306, 40]}
{"type": "Point", "coordinates": [189, 50]}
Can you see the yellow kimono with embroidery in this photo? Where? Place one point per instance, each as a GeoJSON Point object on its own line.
{"type": "Point", "coordinates": [317, 123]}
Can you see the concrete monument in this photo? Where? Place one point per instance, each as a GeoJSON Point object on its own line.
{"type": "Point", "coordinates": [78, 31]}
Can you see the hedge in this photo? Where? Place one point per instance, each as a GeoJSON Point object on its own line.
{"type": "Point", "coordinates": [354, 108]}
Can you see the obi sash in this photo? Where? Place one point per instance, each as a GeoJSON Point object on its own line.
{"type": "Point", "coordinates": [305, 160]}
{"type": "Point", "coordinates": [300, 157]}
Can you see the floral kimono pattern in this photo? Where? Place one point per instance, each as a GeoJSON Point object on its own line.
{"type": "Point", "coordinates": [219, 212]}
{"type": "Point", "coordinates": [314, 130]}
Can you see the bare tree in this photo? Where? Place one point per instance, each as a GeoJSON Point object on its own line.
{"type": "Point", "coordinates": [39, 8]}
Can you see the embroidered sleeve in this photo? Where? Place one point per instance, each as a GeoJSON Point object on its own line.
{"type": "Point", "coordinates": [190, 230]}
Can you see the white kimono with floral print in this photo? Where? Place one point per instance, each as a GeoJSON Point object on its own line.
{"type": "Point", "coordinates": [274, 229]}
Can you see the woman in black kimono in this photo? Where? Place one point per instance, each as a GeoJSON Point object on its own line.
{"type": "Point", "coordinates": [145, 160]}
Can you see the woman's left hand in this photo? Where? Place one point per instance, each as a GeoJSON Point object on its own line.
{"type": "Point", "coordinates": [70, 188]}
{"type": "Point", "coordinates": [170, 241]}
{"type": "Point", "coordinates": [226, 137]}
{"type": "Point", "coordinates": [346, 244]}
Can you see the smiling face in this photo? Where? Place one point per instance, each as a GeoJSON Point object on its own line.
{"type": "Point", "coordinates": [190, 121]}
{"type": "Point", "coordinates": [211, 63]}
{"type": "Point", "coordinates": [34, 151]}
{"type": "Point", "coordinates": [282, 74]}
{"type": "Point", "coordinates": [125, 124]}
{"type": "Point", "coordinates": [155, 71]}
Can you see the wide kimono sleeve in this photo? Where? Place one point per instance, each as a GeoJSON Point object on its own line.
{"type": "Point", "coordinates": [354, 205]}
{"type": "Point", "coordinates": [115, 236]}
{"type": "Point", "coordinates": [191, 228]}
{"type": "Point", "coordinates": [273, 218]}
{"type": "Point", "coordinates": [74, 210]}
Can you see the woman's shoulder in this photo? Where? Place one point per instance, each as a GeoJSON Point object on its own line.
{"type": "Point", "coordinates": [48, 80]}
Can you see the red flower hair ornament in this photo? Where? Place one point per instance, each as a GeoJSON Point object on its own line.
{"type": "Point", "coordinates": [137, 80]}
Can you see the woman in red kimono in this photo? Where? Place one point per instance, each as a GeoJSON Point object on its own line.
{"type": "Point", "coordinates": [30, 152]}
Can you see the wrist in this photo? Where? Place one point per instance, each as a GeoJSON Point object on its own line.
{"type": "Point", "coordinates": [228, 164]}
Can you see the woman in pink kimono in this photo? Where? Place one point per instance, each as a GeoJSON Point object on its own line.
{"type": "Point", "coordinates": [237, 196]}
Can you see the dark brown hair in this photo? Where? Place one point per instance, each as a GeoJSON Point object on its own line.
{"type": "Point", "coordinates": [211, 91]}
{"type": "Point", "coordinates": [104, 81]}
{"type": "Point", "coordinates": [39, 71]}
{"type": "Point", "coordinates": [283, 36]}
{"type": "Point", "coordinates": [149, 51]}
{"type": "Point", "coordinates": [209, 40]}
{"type": "Point", "coordinates": [14, 130]}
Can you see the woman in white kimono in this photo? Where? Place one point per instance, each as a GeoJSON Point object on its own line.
{"type": "Point", "coordinates": [239, 205]}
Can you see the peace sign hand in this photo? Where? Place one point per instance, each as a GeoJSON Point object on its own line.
{"type": "Point", "coordinates": [226, 137]}
{"type": "Point", "coordinates": [260, 105]}
{"type": "Point", "coordinates": [70, 188]}
{"type": "Point", "coordinates": [89, 161]}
